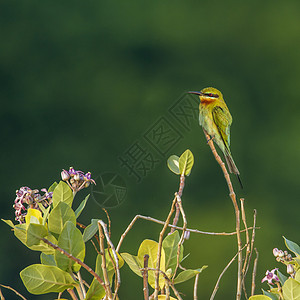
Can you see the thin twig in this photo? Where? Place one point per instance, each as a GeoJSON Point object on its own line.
{"type": "Point", "coordinates": [161, 236]}
{"type": "Point", "coordinates": [109, 221]}
{"type": "Point", "coordinates": [167, 288]}
{"type": "Point", "coordinates": [145, 278]}
{"type": "Point", "coordinates": [181, 187]}
{"type": "Point", "coordinates": [222, 273]}
{"type": "Point", "coordinates": [79, 292]}
{"type": "Point", "coordinates": [1, 295]}
{"type": "Point", "coordinates": [81, 285]}
{"type": "Point", "coordinates": [236, 210]}
{"type": "Point", "coordinates": [254, 273]}
{"type": "Point", "coordinates": [169, 282]}
{"type": "Point", "coordinates": [85, 266]}
{"type": "Point", "coordinates": [72, 294]}
{"type": "Point", "coordinates": [108, 291]}
{"type": "Point", "coordinates": [98, 252]}
{"type": "Point", "coordinates": [183, 231]}
{"type": "Point", "coordinates": [115, 262]}
{"type": "Point", "coordinates": [10, 288]}
{"type": "Point", "coordinates": [251, 245]}
{"type": "Point", "coordinates": [172, 226]}
{"type": "Point", "coordinates": [196, 286]}
{"type": "Point", "coordinates": [246, 261]}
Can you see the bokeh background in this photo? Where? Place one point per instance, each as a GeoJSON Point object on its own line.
{"type": "Point", "coordinates": [82, 81]}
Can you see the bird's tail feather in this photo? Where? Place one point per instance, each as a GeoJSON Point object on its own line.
{"type": "Point", "coordinates": [232, 166]}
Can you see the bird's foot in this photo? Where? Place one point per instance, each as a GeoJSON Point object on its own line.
{"type": "Point", "coordinates": [210, 139]}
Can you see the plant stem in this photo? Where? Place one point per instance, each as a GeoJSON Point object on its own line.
{"type": "Point", "coordinates": [236, 210]}
{"type": "Point", "coordinates": [196, 286]}
{"type": "Point", "coordinates": [161, 236]}
{"type": "Point", "coordinates": [145, 278]}
{"type": "Point", "coordinates": [108, 291]}
{"type": "Point", "coordinates": [85, 266]}
{"type": "Point", "coordinates": [181, 187]}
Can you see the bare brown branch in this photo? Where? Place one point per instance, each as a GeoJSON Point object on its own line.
{"type": "Point", "coordinates": [236, 210]}
{"type": "Point", "coordinates": [145, 278]}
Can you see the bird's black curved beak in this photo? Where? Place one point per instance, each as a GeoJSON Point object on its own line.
{"type": "Point", "coordinates": [196, 93]}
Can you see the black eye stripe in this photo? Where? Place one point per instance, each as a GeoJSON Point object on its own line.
{"type": "Point", "coordinates": [212, 95]}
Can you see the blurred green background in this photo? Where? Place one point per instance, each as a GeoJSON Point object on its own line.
{"type": "Point", "coordinates": [82, 81]}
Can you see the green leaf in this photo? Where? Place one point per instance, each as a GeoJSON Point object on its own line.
{"type": "Point", "coordinates": [173, 164]}
{"type": "Point", "coordinates": [47, 260]}
{"type": "Point", "coordinates": [9, 223]}
{"type": "Point", "coordinates": [137, 262]}
{"type": "Point", "coordinates": [292, 246]}
{"type": "Point", "coordinates": [259, 297]}
{"type": "Point", "coordinates": [71, 241]}
{"type": "Point", "coordinates": [186, 162]}
{"type": "Point", "coordinates": [297, 276]}
{"type": "Point", "coordinates": [59, 216]}
{"type": "Point", "coordinates": [20, 233]}
{"type": "Point", "coordinates": [62, 193]}
{"type": "Point", "coordinates": [271, 295]}
{"type": "Point", "coordinates": [187, 274]}
{"type": "Point", "coordinates": [151, 247]}
{"type": "Point", "coordinates": [52, 186]}
{"type": "Point", "coordinates": [40, 279]}
{"type": "Point", "coordinates": [133, 263]}
{"type": "Point", "coordinates": [90, 230]}
{"type": "Point", "coordinates": [282, 278]}
{"type": "Point", "coordinates": [35, 233]}
{"type": "Point", "coordinates": [170, 245]}
{"type": "Point", "coordinates": [291, 289]}
{"type": "Point", "coordinates": [96, 291]}
{"type": "Point", "coordinates": [81, 206]}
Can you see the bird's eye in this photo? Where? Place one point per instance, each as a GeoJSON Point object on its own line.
{"type": "Point", "coordinates": [212, 95]}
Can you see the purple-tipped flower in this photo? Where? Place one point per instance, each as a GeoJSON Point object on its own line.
{"type": "Point", "coordinates": [88, 177]}
{"type": "Point", "coordinates": [275, 252]}
{"type": "Point", "coordinates": [72, 172]}
{"type": "Point", "coordinates": [290, 269]}
{"type": "Point", "coordinates": [77, 180]}
{"type": "Point", "coordinates": [187, 235]}
{"type": "Point", "coordinates": [270, 276]}
{"type": "Point", "coordinates": [65, 175]}
{"type": "Point", "coordinates": [28, 198]}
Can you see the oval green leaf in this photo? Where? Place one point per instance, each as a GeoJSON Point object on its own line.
{"type": "Point", "coordinates": [260, 297]}
{"type": "Point", "coordinates": [187, 274]}
{"type": "Point", "coordinates": [35, 233]}
{"type": "Point", "coordinates": [52, 186]}
{"type": "Point", "coordinates": [170, 245]}
{"type": "Point", "coordinates": [291, 289]}
{"type": "Point", "coordinates": [96, 290]}
{"type": "Point", "coordinates": [9, 223]}
{"type": "Point", "coordinates": [47, 260]}
{"type": "Point", "coordinates": [40, 279]}
{"type": "Point", "coordinates": [62, 193]}
{"type": "Point", "coordinates": [81, 206]}
{"type": "Point", "coordinates": [273, 296]}
{"type": "Point", "coordinates": [173, 164]}
{"type": "Point", "coordinates": [59, 216]}
{"type": "Point", "coordinates": [90, 230]}
{"type": "Point", "coordinates": [282, 278]}
{"type": "Point", "coordinates": [186, 162]}
{"type": "Point", "coordinates": [20, 233]}
{"type": "Point", "coordinates": [292, 246]}
{"type": "Point", "coordinates": [71, 241]}
{"type": "Point", "coordinates": [151, 247]}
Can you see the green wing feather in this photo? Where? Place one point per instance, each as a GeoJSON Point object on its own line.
{"type": "Point", "coordinates": [223, 120]}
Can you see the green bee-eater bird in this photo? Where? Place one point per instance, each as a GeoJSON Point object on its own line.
{"type": "Point", "coordinates": [215, 118]}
